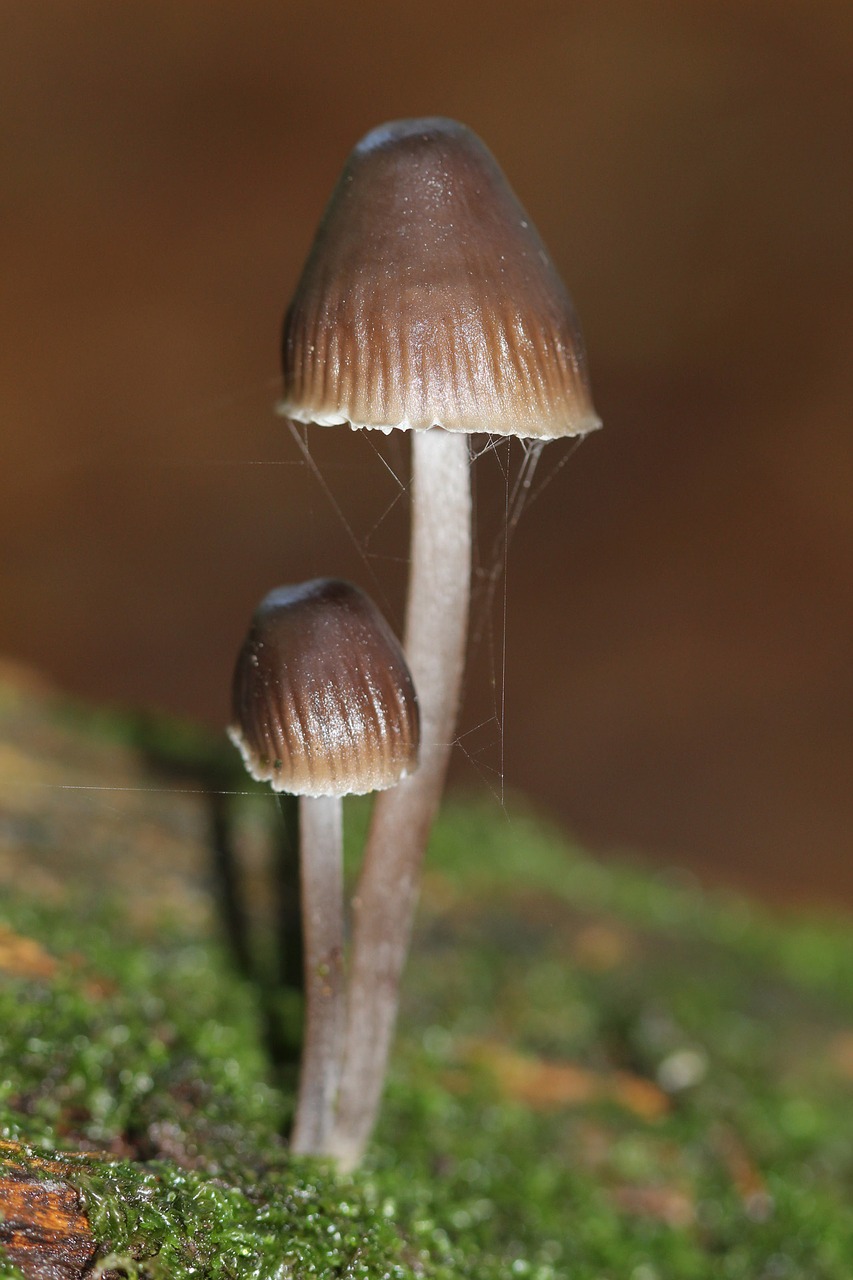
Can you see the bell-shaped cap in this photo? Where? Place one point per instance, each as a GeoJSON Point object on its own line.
{"type": "Point", "coordinates": [428, 299]}
{"type": "Point", "coordinates": [323, 702]}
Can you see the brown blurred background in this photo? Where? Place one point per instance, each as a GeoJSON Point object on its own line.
{"type": "Point", "coordinates": [679, 602]}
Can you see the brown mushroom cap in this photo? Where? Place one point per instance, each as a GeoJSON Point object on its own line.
{"type": "Point", "coordinates": [323, 702]}
{"type": "Point", "coordinates": [429, 299]}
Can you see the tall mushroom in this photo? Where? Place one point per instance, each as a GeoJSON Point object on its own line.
{"type": "Point", "coordinates": [323, 707]}
{"type": "Point", "coordinates": [429, 303]}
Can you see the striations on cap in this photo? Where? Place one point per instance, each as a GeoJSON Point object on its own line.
{"type": "Point", "coordinates": [323, 702]}
{"type": "Point", "coordinates": [428, 299]}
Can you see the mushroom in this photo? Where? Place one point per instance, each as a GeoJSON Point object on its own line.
{"type": "Point", "coordinates": [428, 303]}
{"type": "Point", "coordinates": [323, 707]}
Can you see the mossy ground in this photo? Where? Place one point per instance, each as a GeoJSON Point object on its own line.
{"type": "Point", "coordinates": [600, 1073]}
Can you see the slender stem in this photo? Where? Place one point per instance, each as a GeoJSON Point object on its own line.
{"type": "Point", "coordinates": [386, 896]}
{"type": "Point", "coordinates": [320, 847]}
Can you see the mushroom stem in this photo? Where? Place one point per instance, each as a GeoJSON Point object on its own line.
{"type": "Point", "coordinates": [386, 896]}
{"type": "Point", "coordinates": [322, 891]}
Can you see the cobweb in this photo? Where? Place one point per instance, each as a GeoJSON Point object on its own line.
{"type": "Point", "coordinates": [508, 476]}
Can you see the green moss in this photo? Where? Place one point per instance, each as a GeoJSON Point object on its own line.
{"type": "Point", "coordinates": [715, 1045]}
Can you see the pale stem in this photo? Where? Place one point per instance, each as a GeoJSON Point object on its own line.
{"type": "Point", "coordinates": [387, 892]}
{"type": "Point", "coordinates": [322, 892]}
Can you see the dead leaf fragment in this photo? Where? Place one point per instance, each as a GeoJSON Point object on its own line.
{"type": "Point", "coordinates": [544, 1084]}
{"type": "Point", "coordinates": [599, 948]}
{"type": "Point", "coordinates": [841, 1053]}
{"type": "Point", "coordinates": [22, 957]}
{"type": "Point", "coordinates": [745, 1175]}
{"type": "Point", "coordinates": [665, 1204]}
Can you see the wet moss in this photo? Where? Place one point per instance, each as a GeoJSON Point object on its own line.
{"type": "Point", "coordinates": [601, 1072]}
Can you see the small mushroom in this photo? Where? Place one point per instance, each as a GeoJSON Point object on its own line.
{"type": "Point", "coordinates": [428, 303]}
{"type": "Point", "coordinates": [323, 707]}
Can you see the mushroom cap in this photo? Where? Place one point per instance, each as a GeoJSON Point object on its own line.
{"type": "Point", "coordinates": [428, 299]}
{"type": "Point", "coordinates": [323, 702]}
